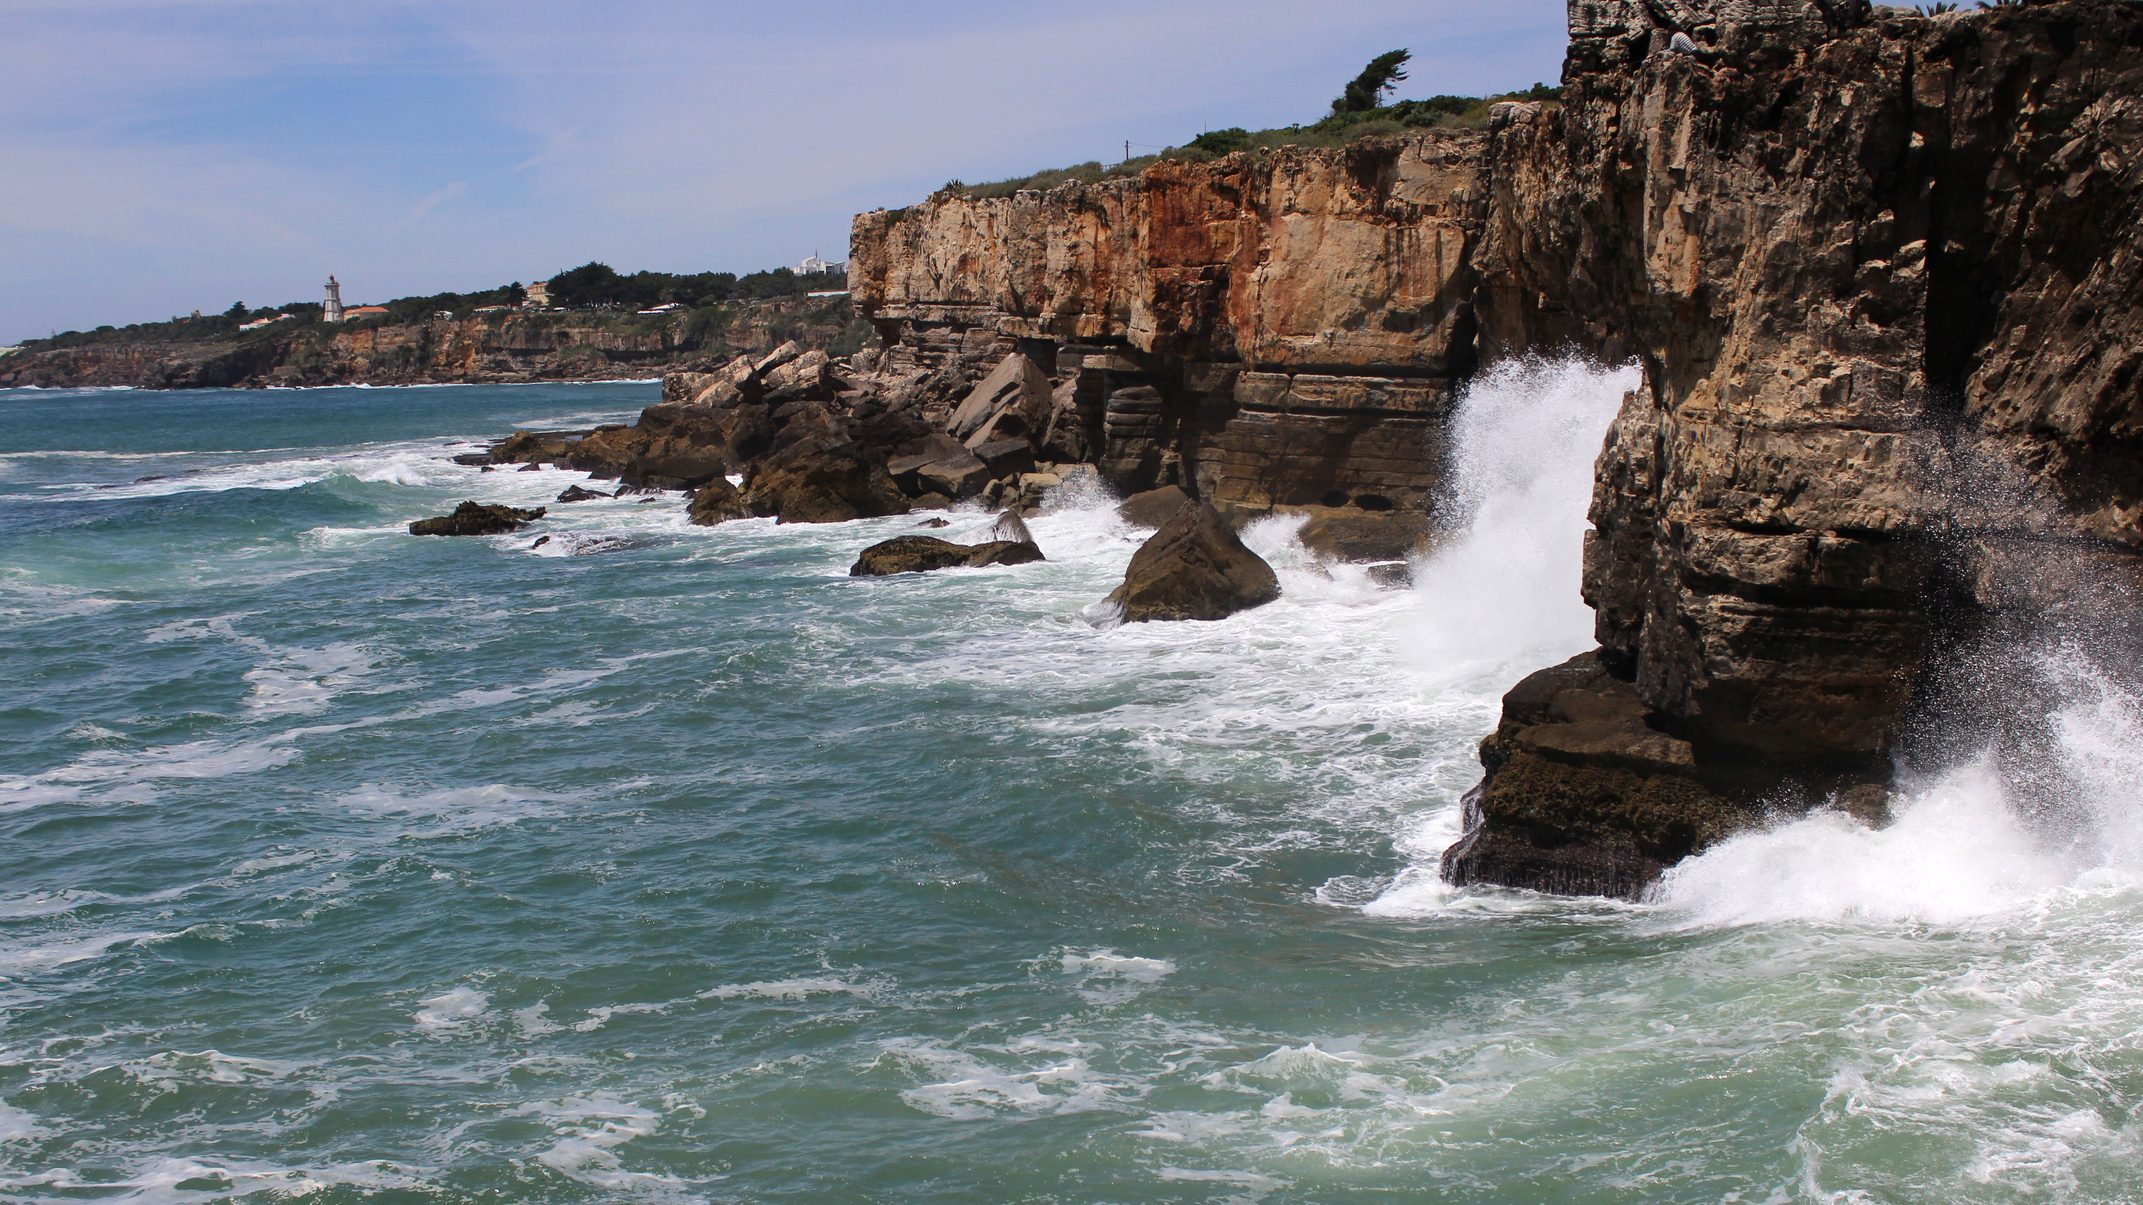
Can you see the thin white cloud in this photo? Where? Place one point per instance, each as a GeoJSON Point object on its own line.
{"type": "Point", "coordinates": [437, 197]}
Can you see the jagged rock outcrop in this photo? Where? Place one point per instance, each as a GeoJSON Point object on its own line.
{"type": "Point", "coordinates": [1882, 271]}
{"type": "Point", "coordinates": [924, 554]}
{"type": "Point", "coordinates": [477, 519]}
{"type": "Point", "coordinates": [1194, 567]}
{"type": "Point", "coordinates": [716, 502]}
{"type": "Point", "coordinates": [1889, 321]}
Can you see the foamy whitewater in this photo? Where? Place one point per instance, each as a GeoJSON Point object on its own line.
{"type": "Point", "coordinates": [672, 864]}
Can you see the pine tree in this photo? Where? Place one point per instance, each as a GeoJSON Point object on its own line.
{"type": "Point", "coordinates": [1383, 73]}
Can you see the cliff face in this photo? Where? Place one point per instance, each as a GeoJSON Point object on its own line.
{"type": "Point", "coordinates": [1277, 331]}
{"type": "Point", "coordinates": [488, 348]}
{"type": "Point", "coordinates": [1882, 273]}
{"type": "Point", "coordinates": [1886, 291]}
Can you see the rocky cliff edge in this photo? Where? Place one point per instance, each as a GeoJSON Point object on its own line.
{"type": "Point", "coordinates": [1884, 273]}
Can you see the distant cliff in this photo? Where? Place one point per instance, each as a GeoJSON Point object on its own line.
{"type": "Point", "coordinates": [480, 348]}
{"type": "Point", "coordinates": [1884, 273]}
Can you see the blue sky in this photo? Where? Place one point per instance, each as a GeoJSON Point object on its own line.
{"type": "Point", "coordinates": [158, 156]}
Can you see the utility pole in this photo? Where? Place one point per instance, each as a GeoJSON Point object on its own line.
{"type": "Point", "coordinates": [1127, 150]}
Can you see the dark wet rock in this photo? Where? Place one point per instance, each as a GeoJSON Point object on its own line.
{"type": "Point", "coordinates": [1194, 567]}
{"type": "Point", "coordinates": [935, 523]}
{"type": "Point", "coordinates": [531, 468]}
{"type": "Point", "coordinates": [1010, 526]}
{"type": "Point", "coordinates": [1582, 795]}
{"type": "Point", "coordinates": [579, 493]}
{"type": "Point", "coordinates": [717, 502]}
{"type": "Point", "coordinates": [477, 519]}
{"type": "Point", "coordinates": [1154, 507]}
{"type": "Point", "coordinates": [472, 459]}
{"type": "Point", "coordinates": [1585, 793]}
{"type": "Point", "coordinates": [922, 554]}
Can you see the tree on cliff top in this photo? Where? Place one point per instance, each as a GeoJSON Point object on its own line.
{"type": "Point", "coordinates": [1366, 92]}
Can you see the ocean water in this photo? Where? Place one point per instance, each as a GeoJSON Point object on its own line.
{"type": "Point", "coordinates": [662, 863]}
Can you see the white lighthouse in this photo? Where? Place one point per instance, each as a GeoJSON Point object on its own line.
{"type": "Point", "coordinates": [331, 309]}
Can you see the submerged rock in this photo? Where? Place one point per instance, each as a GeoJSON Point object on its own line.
{"type": "Point", "coordinates": [921, 554]}
{"type": "Point", "coordinates": [477, 519]}
{"type": "Point", "coordinates": [1194, 568]}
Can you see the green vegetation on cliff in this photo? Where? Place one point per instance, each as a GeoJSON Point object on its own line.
{"type": "Point", "coordinates": [1359, 112]}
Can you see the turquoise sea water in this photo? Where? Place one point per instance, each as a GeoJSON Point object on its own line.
{"type": "Point", "coordinates": [666, 863]}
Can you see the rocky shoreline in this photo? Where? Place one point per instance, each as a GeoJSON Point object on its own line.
{"type": "Point", "coordinates": [1882, 275]}
{"type": "Point", "coordinates": [1879, 268]}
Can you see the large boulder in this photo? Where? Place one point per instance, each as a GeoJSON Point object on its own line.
{"type": "Point", "coordinates": [921, 554]}
{"type": "Point", "coordinates": [805, 376]}
{"type": "Point", "coordinates": [1352, 534]}
{"type": "Point", "coordinates": [823, 477]}
{"type": "Point", "coordinates": [1012, 402]}
{"type": "Point", "coordinates": [581, 493]}
{"type": "Point", "coordinates": [940, 465]}
{"type": "Point", "coordinates": [477, 519]}
{"type": "Point", "coordinates": [717, 502]}
{"type": "Point", "coordinates": [1005, 457]}
{"type": "Point", "coordinates": [1194, 568]}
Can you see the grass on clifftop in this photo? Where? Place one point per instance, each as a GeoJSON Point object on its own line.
{"type": "Point", "coordinates": [1338, 129]}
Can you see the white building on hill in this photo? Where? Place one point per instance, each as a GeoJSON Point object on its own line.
{"type": "Point", "coordinates": [812, 264]}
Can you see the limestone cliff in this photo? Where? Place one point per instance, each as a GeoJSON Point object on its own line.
{"type": "Point", "coordinates": [1884, 273]}
{"type": "Point", "coordinates": [1280, 329]}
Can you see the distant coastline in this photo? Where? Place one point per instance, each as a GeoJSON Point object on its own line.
{"type": "Point", "coordinates": [591, 323]}
{"type": "Point", "coordinates": [479, 349]}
